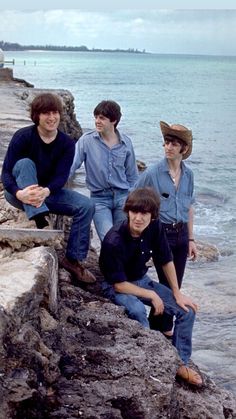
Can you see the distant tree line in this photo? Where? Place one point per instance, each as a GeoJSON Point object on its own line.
{"type": "Point", "coordinates": [13, 46]}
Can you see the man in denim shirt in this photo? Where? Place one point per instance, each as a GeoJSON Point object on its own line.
{"type": "Point", "coordinates": [173, 181]}
{"type": "Point", "coordinates": [110, 166]}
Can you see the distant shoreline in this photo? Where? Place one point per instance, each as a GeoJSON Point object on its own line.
{"type": "Point", "coordinates": [10, 46]}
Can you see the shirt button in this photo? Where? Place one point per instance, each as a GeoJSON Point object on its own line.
{"type": "Point", "coordinates": [142, 253]}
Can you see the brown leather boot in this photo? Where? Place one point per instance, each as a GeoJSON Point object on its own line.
{"type": "Point", "coordinates": [79, 271]}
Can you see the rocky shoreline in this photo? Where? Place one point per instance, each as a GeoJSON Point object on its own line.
{"type": "Point", "coordinates": [65, 351]}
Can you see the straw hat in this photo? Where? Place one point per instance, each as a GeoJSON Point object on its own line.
{"type": "Point", "coordinates": [179, 132]}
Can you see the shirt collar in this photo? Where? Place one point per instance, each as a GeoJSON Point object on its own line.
{"type": "Point", "coordinates": [120, 136]}
{"type": "Point", "coordinates": [166, 166]}
{"type": "Point", "coordinates": [125, 231]}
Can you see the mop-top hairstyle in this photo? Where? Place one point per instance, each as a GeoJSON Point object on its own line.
{"type": "Point", "coordinates": [110, 110]}
{"type": "Point", "coordinates": [143, 200]}
{"type": "Point", "coordinates": [43, 103]}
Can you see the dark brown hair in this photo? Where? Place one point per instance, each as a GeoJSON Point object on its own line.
{"type": "Point", "coordinates": [110, 110]}
{"type": "Point", "coordinates": [173, 138]}
{"type": "Point", "coordinates": [143, 200]}
{"type": "Point", "coordinates": [43, 103]}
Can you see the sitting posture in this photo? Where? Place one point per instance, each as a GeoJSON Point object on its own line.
{"type": "Point", "coordinates": [35, 170]}
{"type": "Point", "coordinates": [125, 251]}
{"type": "Point", "coordinates": [110, 165]}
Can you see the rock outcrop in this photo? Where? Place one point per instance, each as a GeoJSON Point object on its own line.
{"type": "Point", "coordinates": [15, 98]}
{"type": "Point", "coordinates": [65, 351]}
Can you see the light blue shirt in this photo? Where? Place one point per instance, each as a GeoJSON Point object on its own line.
{"type": "Point", "coordinates": [106, 167]}
{"type": "Point", "coordinates": [175, 202]}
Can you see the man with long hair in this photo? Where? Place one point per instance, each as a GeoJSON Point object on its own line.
{"type": "Point", "coordinates": [35, 170]}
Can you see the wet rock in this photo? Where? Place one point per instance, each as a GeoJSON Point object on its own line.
{"type": "Point", "coordinates": [141, 165]}
{"type": "Point", "coordinates": [207, 252]}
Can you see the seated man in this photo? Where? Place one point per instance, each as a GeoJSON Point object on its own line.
{"type": "Point", "coordinates": [125, 251]}
{"type": "Point", "coordinates": [35, 170]}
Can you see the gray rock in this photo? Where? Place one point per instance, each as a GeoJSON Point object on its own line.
{"type": "Point", "coordinates": [65, 351]}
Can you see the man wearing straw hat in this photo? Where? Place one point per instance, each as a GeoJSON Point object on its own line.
{"type": "Point", "coordinates": [173, 181]}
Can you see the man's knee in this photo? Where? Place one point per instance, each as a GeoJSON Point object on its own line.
{"type": "Point", "coordinates": [81, 203]}
{"type": "Point", "coordinates": [137, 311]}
{"type": "Point", "coordinates": [23, 164]}
{"type": "Point", "coordinates": [190, 314]}
{"type": "Point", "coordinates": [90, 206]}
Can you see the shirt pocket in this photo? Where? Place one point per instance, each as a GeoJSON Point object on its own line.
{"type": "Point", "coordinates": [118, 159]}
{"type": "Point", "coordinates": [165, 202]}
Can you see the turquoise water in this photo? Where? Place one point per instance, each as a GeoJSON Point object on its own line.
{"type": "Point", "coordinates": [197, 91]}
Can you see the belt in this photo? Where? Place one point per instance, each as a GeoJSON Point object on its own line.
{"type": "Point", "coordinates": [174, 226]}
{"type": "Point", "coordinates": [111, 189]}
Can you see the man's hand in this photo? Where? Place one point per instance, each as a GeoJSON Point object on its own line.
{"type": "Point", "coordinates": [157, 304]}
{"type": "Point", "coordinates": [184, 302]}
{"type": "Point", "coordinates": [33, 195]}
{"type": "Point", "coordinates": [192, 250]}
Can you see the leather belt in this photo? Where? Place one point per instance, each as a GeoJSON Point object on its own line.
{"type": "Point", "coordinates": [174, 226]}
{"type": "Point", "coordinates": [111, 189]}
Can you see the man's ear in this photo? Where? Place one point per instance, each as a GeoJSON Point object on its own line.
{"type": "Point", "coordinates": [185, 149]}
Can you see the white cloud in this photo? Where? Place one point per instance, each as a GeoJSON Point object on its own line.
{"type": "Point", "coordinates": [170, 31]}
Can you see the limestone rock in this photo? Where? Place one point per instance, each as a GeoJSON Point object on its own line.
{"type": "Point", "coordinates": [207, 252]}
{"type": "Point", "coordinates": [18, 95]}
{"type": "Point", "coordinates": [27, 275]}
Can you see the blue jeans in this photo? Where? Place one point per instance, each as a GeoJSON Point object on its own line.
{"type": "Point", "coordinates": [178, 242]}
{"type": "Point", "coordinates": [63, 202]}
{"type": "Point", "coordinates": [108, 209]}
{"type": "Point", "coordinates": [135, 309]}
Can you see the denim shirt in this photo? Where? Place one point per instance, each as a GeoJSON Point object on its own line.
{"type": "Point", "coordinates": [106, 167]}
{"type": "Point", "coordinates": [175, 202]}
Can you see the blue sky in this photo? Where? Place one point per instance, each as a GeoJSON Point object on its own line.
{"type": "Point", "coordinates": [162, 26]}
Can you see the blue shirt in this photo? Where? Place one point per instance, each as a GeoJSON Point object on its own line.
{"type": "Point", "coordinates": [175, 202]}
{"type": "Point", "coordinates": [106, 167]}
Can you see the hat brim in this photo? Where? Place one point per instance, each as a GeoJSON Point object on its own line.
{"type": "Point", "coordinates": [185, 135]}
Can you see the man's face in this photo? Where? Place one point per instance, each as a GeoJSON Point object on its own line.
{"type": "Point", "coordinates": [103, 124]}
{"type": "Point", "coordinates": [49, 121]}
{"type": "Point", "coordinates": [138, 221]}
{"type": "Point", "coordinates": [172, 149]}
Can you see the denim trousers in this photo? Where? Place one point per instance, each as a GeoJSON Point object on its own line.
{"type": "Point", "coordinates": [63, 202]}
{"type": "Point", "coordinates": [178, 242]}
{"type": "Point", "coordinates": [135, 309]}
{"type": "Point", "coordinates": [108, 209]}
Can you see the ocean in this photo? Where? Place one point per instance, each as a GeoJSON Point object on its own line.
{"type": "Point", "coordinates": [196, 91]}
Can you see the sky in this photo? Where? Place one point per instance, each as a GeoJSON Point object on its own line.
{"type": "Point", "coordinates": [161, 27]}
